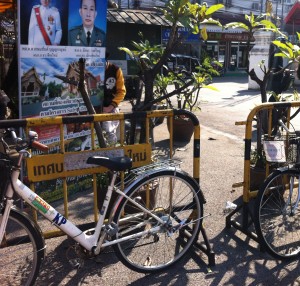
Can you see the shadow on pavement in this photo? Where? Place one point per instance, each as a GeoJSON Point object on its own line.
{"type": "Point", "coordinates": [56, 269]}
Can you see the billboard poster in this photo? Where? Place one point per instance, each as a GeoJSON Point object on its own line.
{"type": "Point", "coordinates": [54, 35]}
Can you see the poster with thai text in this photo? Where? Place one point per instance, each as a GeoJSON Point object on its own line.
{"type": "Point", "coordinates": [54, 36]}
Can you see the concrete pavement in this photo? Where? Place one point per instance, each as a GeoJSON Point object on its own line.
{"type": "Point", "coordinates": [238, 259]}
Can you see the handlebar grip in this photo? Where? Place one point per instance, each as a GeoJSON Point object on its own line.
{"type": "Point", "coordinates": [40, 146]}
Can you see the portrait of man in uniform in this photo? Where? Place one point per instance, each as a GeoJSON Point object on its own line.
{"type": "Point", "coordinates": [44, 25]}
{"type": "Point", "coordinates": [87, 34]}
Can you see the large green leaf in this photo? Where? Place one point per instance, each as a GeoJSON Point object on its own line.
{"type": "Point", "coordinates": [212, 9]}
{"type": "Point", "coordinates": [268, 24]}
{"type": "Point", "coordinates": [127, 51]}
{"type": "Point", "coordinates": [284, 48]}
{"type": "Point", "coordinates": [282, 54]}
{"type": "Point", "coordinates": [204, 34]}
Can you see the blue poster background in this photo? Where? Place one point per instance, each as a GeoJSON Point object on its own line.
{"type": "Point", "coordinates": [75, 19]}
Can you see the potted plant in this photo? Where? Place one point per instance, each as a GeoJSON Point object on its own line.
{"type": "Point", "coordinates": [187, 99]}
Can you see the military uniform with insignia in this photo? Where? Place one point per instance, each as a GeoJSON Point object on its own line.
{"type": "Point", "coordinates": [78, 37]}
{"type": "Point", "coordinates": [44, 26]}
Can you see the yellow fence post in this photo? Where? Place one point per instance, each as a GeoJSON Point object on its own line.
{"type": "Point", "coordinates": [249, 194]}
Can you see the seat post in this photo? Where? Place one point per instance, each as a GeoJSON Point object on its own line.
{"type": "Point", "coordinates": [113, 176]}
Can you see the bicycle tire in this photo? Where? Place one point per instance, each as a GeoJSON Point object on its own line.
{"type": "Point", "coordinates": [158, 251]}
{"type": "Point", "coordinates": [278, 229]}
{"type": "Point", "coordinates": [21, 251]}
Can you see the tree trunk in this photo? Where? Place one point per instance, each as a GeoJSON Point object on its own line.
{"type": "Point", "coordinates": [261, 83]}
{"type": "Point", "coordinates": [10, 86]}
{"type": "Point", "coordinates": [85, 96]}
{"type": "Point", "coordinates": [263, 88]}
{"type": "Point", "coordinates": [149, 82]}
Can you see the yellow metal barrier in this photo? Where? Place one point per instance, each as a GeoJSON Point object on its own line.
{"type": "Point", "coordinates": [61, 164]}
{"type": "Point", "coordinates": [265, 111]}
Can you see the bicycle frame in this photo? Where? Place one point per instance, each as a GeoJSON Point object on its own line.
{"type": "Point", "coordinates": [89, 242]}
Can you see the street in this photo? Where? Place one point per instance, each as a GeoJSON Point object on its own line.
{"type": "Point", "coordinates": [238, 258]}
{"type": "Point", "coordinates": [231, 103]}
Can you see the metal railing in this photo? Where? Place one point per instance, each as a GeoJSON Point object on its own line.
{"type": "Point", "coordinates": [259, 124]}
{"type": "Point", "coordinates": [62, 164]}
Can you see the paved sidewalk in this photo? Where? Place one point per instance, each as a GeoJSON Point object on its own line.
{"type": "Point", "coordinates": [238, 259]}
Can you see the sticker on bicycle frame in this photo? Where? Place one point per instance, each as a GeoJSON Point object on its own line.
{"type": "Point", "coordinates": [275, 151]}
{"type": "Point", "coordinates": [59, 219]}
{"type": "Point", "coordinates": [40, 204]}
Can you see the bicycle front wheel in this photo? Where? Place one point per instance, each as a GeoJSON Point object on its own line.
{"type": "Point", "coordinates": [21, 251]}
{"type": "Point", "coordinates": [277, 215]}
{"type": "Point", "coordinates": [176, 199]}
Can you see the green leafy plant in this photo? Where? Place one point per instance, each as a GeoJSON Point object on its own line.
{"type": "Point", "coordinates": [258, 159]}
{"type": "Point", "coordinates": [286, 50]}
{"type": "Point", "coordinates": [188, 98]}
{"type": "Point", "coordinates": [152, 59]}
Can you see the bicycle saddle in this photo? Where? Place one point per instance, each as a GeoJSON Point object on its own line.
{"type": "Point", "coordinates": [114, 164]}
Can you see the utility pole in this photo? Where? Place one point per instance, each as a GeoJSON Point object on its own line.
{"type": "Point", "coordinates": [261, 6]}
{"type": "Point", "coordinates": [281, 26]}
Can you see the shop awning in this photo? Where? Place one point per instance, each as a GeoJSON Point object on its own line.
{"type": "Point", "coordinates": [293, 17]}
{"type": "Point", "coordinates": [149, 17]}
{"type": "Point", "coordinates": [142, 17]}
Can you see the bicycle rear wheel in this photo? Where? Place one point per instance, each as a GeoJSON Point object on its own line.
{"type": "Point", "coordinates": [174, 197]}
{"type": "Point", "coordinates": [21, 251]}
{"type": "Point", "coordinates": [276, 220]}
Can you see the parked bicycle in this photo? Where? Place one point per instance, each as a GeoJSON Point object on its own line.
{"type": "Point", "coordinates": [154, 221]}
{"type": "Point", "coordinates": [276, 209]}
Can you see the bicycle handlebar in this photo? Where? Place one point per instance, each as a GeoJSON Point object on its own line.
{"type": "Point", "coordinates": [39, 146]}
{"type": "Point", "coordinates": [292, 140]}
{"type": "Point", "coordinates": [30, 142]}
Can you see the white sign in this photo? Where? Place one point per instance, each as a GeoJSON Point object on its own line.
{"type": "Point", "coordinates": [121, 64]}
{"type": "Point", "coordinates": [275, 151]}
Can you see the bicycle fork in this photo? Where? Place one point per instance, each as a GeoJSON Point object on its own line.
{"type": "Point", "coordinates": [4, 218]}
{"type": "Point", "coordinates": [8, 205]}
{"type": "Point", "coordinates": [289, 201]}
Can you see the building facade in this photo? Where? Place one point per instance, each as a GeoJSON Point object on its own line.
{"type": "Point", "coordinates": [227, 46]}
{"type": "Point", "coordinates": [230, 46]}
